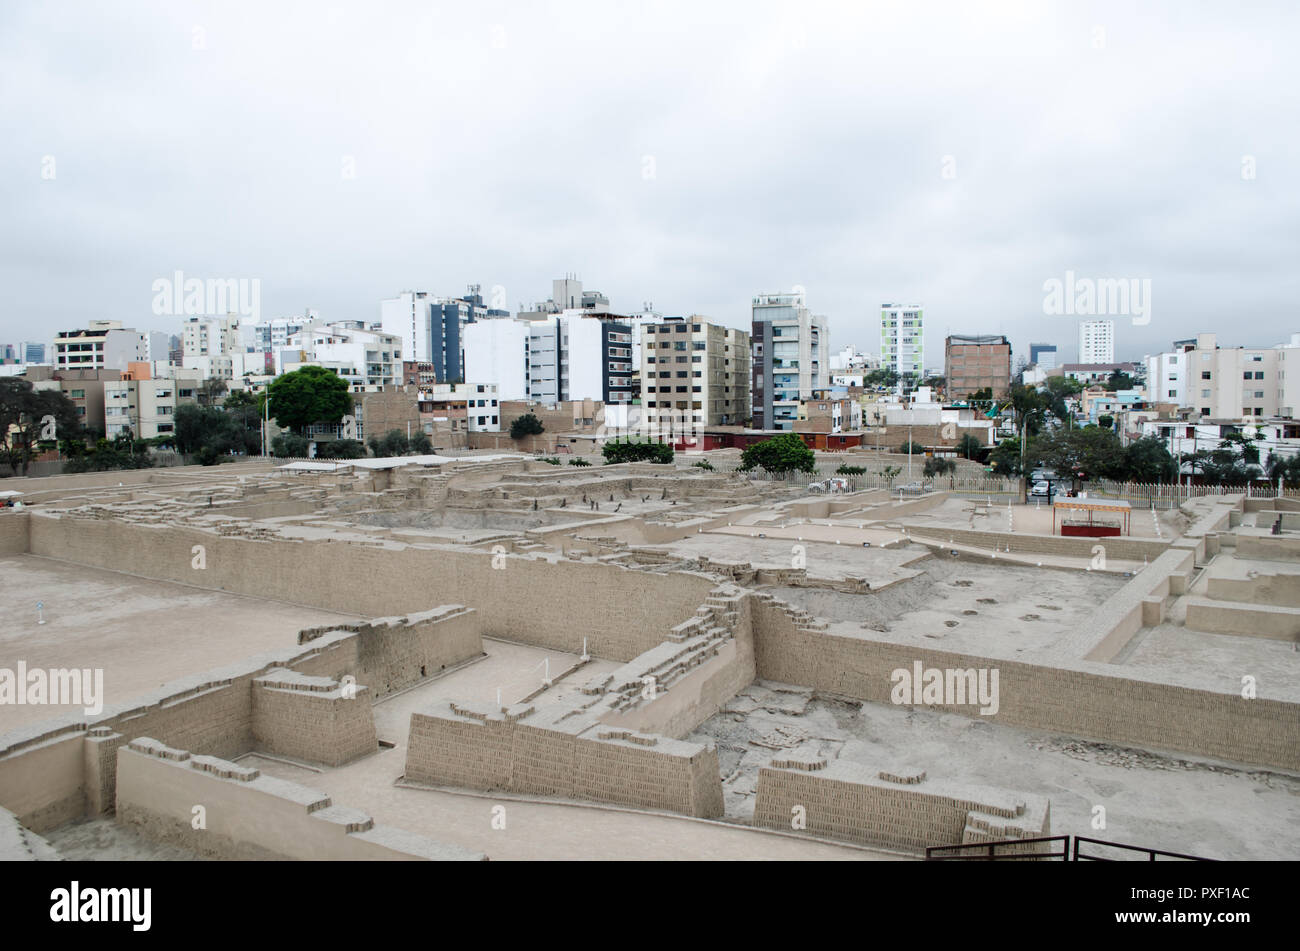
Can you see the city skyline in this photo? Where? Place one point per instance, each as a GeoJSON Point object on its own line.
{"type": "Point", "coordinates": [331, 186]}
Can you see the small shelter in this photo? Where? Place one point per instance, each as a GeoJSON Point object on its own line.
{"type": "Point", "coordinates": [1092, 517]}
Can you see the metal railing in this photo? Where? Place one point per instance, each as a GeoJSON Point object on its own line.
{"type": "Point", "coordinates": [999, 851]}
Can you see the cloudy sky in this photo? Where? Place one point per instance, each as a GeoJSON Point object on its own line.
{"type": "Point", "coordinates": [693, 154]}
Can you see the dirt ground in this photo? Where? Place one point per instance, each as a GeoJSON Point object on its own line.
{"type": "Point", "coordinates": [1175, 803]}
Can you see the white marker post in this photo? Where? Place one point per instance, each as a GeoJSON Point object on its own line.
{"type": "Point", "coordinates": [40, 612]}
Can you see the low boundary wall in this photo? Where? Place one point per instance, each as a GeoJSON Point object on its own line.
{"type": "Point", "coordinates": [553, 752]}
{"type": "Point", "coordinates": [249, 816]}
{"type": "Point", "coordinates": [903, 811]}
{"type": "Point", "coordinates": [1075, 700]}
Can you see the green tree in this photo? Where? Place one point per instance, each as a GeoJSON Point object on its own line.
{"type": "Point", "coordinates": [1091, 452]}
{"type": "Point", "coordinates": [1149, 460]}
{"type": "Point", "coordinates": [309, 395]}
{"type": "Point", "coordinates": [1118, 380]}
{"type": "Point", "coordinates": [526, 425]}
{"type": "Point", "coordinates": [783, 453]}
{"type": "Point", "coordinates": [636, 451]}
{"type": "Point", "coordinates": [891, 473]}
{"type": "Point", "coordinates": [969, 447]}
{"type": "Point", "coordinates": [341, 449]}
{"type": "Point", "coordinates": [22, 411]}
{"type": "Point", "coordinates": [1106, 421]}
{"type": "Point", "coordinates": [938, 466]}
{"type": "Point", "coordinates": [1285, 468]}
{"type": "Point", "coordinates": [392, 443]}
{"type": "Point", "coordinates": [911, 449]}
{"type": "Point", "coordinates": [290, 445]}
{"type": "Point", "coordinates": [421, 444]}
{"type": "Point", "coordinates": [1004, 458]}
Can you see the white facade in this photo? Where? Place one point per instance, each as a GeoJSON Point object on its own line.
{"type": "Point", "coordinates": [496, 350]}
{"type": "Point", "coordinates": [1167, 378]}
{"type": "Point", "coordinates": [902, 339]}
{"type": "Point", "coordinates": [104, 345]}
{"type": "Point", "coordinates": [370, 357]}
{"type": "Point", "coordinates": [1096, 341]}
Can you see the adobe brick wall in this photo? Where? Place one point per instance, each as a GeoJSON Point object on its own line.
{"type": "Point", "coordinates": [848, 801]}
{"type": "Point", "coordinates": [250, 816]}
{"type": "Point", "coordinates": [312, 718]}
{"type": "Point", "coordinates": [1084, 699]}
{"type": "Point", "coordinates": [1119, 548]}
{"type": "Point", "coordinates": [531, 601]}
{"type": "Point", "coordinates": [14, 539]}
{"type": "Point", "coordinates": [390, 654]}
{"type": "Point", "coordinates": [523, 750]}
{"type": "Point", "coordinates": [63, 768]}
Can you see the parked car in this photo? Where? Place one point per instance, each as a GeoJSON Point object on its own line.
{"type": "Point", "coordinates": [1043, 489]}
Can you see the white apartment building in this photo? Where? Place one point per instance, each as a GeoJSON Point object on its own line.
{"type": "Point", "coordinates": [694, 374]}
{"type": "Point", "coordinates": [1167, 374]}
{"type": "Point", "coordinates": [790, 358]}
{"type": "Point", "coordinates": [569, 356]}
{"type": "Point", "coordinates": [902, 340]}
{"type": "Point", "coordinates": [103, 345]}
{"type": "Point", "coordinates": [1096, 341]}
{"type": "Point", "coordinates": [365, 358]}
{"type": "Point", "coordinates": [850, 360]}
{"type": "Point", "coordinates": [498, 350]}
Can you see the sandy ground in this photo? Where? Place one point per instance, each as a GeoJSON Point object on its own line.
{"type": "Point", "coordinates": [880, 565]}
{"type": "Point", "coordinates": [141, 633]}
{"type": "Point", "coordinates": [964, 606]}
{"type": "Point", "coordinates": [1175, 803]}
{"type": "Point", "coordinates": [1034, 518]}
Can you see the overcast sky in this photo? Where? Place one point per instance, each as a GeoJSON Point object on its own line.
{"type": "Point", "coordinates": [957, 155]}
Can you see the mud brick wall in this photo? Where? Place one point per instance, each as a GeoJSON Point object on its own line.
{"type": "Point", "coordinates": [19, 844]}
{"type": "Point", "coordinates": [250, 816]}
{"type": "Point", "coordinates": [312, 718]}
{"type": "Point", "coordinates": [573, 758]}
{"type": "Point", "coordinates": [59, 770]}
{"type": "Point", "coordinates": [390, 654]}
{"type": "Point", "coordinates": [531, 601]}
{"type": "Point", "coordinates": [1084, 699]}
{"type": "Point", "coordinates": [13, 532]}
{"type": "Point", "coordinates": [850, 802]}
{"type": "Point", "coordinates": [1120, 548]}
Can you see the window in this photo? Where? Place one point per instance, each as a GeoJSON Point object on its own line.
{"type": "Point", "coordinates": [1205, 374]}
{"type": "Point", "coordinates": [1259, 374]}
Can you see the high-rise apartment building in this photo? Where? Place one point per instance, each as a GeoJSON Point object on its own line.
{"type": "Point", "coordinates": [790, 350]}
{"type": "Point", "coordinates": [902, 342]}
{"type": "Point", "coordinates": [1096, 341]}
{"type": "Point", "coordinates": [694, 374]}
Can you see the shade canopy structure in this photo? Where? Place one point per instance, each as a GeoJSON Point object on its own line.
{"type": "Point", "coordinates": [1089, 516]}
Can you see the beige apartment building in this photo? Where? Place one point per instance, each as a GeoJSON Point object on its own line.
{"type": "Point", "coordinates": [144, 405]}
{"type": "Point", "coordinates": [694, 374]}
{"type": "Point", "coordinates": [971, 363]}
{"type": "Point", "coordinates": [1237, 382]}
